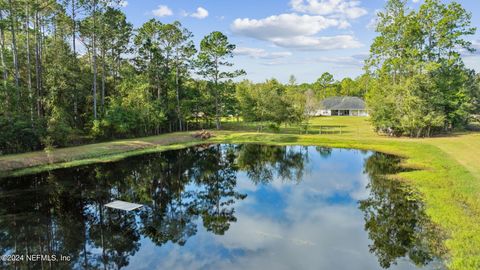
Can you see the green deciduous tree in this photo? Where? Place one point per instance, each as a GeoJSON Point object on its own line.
{"type": "Point", "coordinates": [270, 102]}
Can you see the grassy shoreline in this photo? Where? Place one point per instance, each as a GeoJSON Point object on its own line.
{"type": "Point", "coordinates": [449, 178]}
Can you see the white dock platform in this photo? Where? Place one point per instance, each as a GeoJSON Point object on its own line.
{"type": "Point", "coordinates": [123, 205]}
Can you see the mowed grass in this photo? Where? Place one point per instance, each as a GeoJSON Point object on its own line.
{"type": "Point", "coordinates": [465, 148]}
{"type": "Point", "coordinates": [448, 175]}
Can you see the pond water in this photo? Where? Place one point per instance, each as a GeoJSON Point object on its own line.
{"type": "Point", "coordinates": [221, 207]}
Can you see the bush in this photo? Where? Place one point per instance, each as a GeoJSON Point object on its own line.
{"type": "Point", "coordinates": [274, 127]}
{"type": "Point", "coordinates": [18, 135]}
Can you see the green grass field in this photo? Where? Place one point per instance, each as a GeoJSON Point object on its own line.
{"type": "Point", "coordinates": [448, 177]}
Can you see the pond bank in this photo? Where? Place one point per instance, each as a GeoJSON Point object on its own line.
{"type": "Point", "coordinates": [32, 162]}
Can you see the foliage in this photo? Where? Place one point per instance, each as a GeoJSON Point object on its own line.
{"type": "Point", "coordinates": [422, 85]}
{"type": "Point", "coordinates": [132, 113]}
{"type": "Point", "coordinates": [268, 102]}
{"type": "Point", "coordinates": [18, 135]}
{"type": "Point", "coordinates": [406, 109]}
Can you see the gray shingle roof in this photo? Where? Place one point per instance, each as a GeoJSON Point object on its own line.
{"type": "Point", "coordinates": [343, 103]}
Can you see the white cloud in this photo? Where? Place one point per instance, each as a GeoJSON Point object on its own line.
{"type": "Point", "coordinates": [200, 13]}
{"type": "Point", "coordinates": [260, 53]}
{"type": "Point", "coordinates": [340, 8]}
{"type": "Point", "coordinates": [162, 11]}
{"type": "Point", "coordinates": [283, 25]}
{"type": "Point", "coordinates": [472, 59]}
{"type": "Point", "coordinates": [415, 1]}
{"type": "Point", "coordinates": [475, 45]}
{"type": "Point", "coordinates": [295, 31]}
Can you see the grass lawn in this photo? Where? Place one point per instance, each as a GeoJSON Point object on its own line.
{"type": "Point", "coordinates": [448, 177]}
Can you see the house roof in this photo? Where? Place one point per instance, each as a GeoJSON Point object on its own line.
{"type": "Point", "coordinates": [343, 103]}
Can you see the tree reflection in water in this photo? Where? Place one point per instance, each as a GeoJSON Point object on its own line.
{"type": "Point", "coordinates": [263, 163]}
{"type": "Point", "coordinates": [62, 211]}
{"type": "Point", "coordinates": [395, 217]}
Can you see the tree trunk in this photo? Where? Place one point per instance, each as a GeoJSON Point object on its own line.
{"type": "Point", "coordinates": [118, 61]}
{"type": "Point", "coordinates": [217, 109]}
{"type": "Point", "coordinates": [177, 88]}
{"type": "Point", "coordinates": [2, 57]}
{"type": "Point", "coordinates": [4, 67]}
{"type": "Point", "coordinates": [74, 28]}
{"type": "Point", "coordinates": [29, 70]}
{"type": "Point", "coordinates": [38, 69]}
{"type": "Point", "coordinates": [74, 47]}
{"type": "Point", "coordinates": [217, 116]}
{"type": "Point", "coordinates": [103, 81]}
{"type": "Point", "coordinates": [14, 44]}
{"type": "Point", "coordinates": [113, 69]}
{"type": "Point", "coordinates": [159, 87]}
{"type": "Point", "coordinates": [94, 59]}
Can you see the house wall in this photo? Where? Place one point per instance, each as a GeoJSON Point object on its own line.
{"type": "Point", "coordinates": [325, 112]}
{"type": "Point", "coordinates": [358, 112]}
{"type": "Point", "coordinates": [362, 113]}
{"type": "Point", "coordinates": [322, 113]}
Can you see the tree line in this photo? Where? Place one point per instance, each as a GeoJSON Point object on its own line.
{"type": "Point", "coordinates": [73, 70]}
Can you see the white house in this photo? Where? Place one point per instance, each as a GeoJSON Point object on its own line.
{"type": "Point", "coordinates": [342, 106]}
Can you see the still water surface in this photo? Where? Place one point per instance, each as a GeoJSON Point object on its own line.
{"type": "Point", "coordinates": [221, 207]}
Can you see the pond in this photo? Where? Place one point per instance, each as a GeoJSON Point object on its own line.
{"type": "Point", "coordinates": [221, 207]}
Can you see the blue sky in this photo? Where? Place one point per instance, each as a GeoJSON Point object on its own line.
{"type": "Point", "coordinates": [276, 38]}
